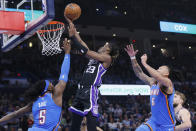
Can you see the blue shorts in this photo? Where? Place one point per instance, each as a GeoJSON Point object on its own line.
{"type": "Point", "coordinates": [37, 129]}
{"type": "Point", "coordinates": [152, 126]}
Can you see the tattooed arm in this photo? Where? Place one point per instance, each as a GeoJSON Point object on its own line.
{"type": "Point", "coordinates": [137, 69]}
{"type": "Point", "coordinates": [140, 74]}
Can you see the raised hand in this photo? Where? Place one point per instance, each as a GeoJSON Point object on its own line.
{"type": "Point", "coordinates": [71, 28]}
{"type": "Point", "coordinates": [67, 19]}
{"type": "Point", "coordinates": [66, 46]}
{"type": "Point", "coordinates": [144, 59]}
{"type": "Point", "coordinates": [130, 50]}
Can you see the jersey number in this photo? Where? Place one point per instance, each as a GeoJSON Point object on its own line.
{"type": "Point", "coordinates": [153, 101]}
{"type": "Point", "coordinates": [91, 69]}
{"type": "Point", "coordinates": [42, 117]}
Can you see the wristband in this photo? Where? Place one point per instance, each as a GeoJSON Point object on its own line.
{"type": "Point", "coordinates": [132, 57]}
{"type": "Point", "coordinates": [79, 46]}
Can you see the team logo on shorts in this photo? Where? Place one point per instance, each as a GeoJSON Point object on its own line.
{"type": "Point", "coordinates": [95, 109]}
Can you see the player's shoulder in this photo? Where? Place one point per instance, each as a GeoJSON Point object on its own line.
{"type": "Point", "coordinates": [152, 82]}
{"type": "Point", "coordinates": [184, 111]}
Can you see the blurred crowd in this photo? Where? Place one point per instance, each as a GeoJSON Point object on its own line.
{"type": "Point", "coordinates": [26, 62]}
{"type": "Point", "coordinates": [116, 113]}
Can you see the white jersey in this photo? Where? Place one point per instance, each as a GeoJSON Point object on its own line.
{"type": "Point", "coordinates": [179, 120]}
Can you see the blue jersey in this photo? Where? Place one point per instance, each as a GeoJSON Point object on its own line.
{"type": "Point", "coordinates": [46, 113]}
{"type": "Point", "coordinates": [162, 106]}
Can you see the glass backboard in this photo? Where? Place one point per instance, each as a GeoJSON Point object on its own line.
{"type": "Point", "coordinates": [37, 14]}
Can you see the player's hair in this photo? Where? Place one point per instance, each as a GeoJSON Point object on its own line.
{"type": "Point", "coordinates": [114, 51]}
{"type": "Point", "coordinates": [34, 91]}
{"type": "Point", "coordinates": [176, 75]}
{"type": "Point", "coordinates": [182, 96]}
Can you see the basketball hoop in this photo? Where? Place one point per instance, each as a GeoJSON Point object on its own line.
{"type": "Point", "coordinates": [50, 37]}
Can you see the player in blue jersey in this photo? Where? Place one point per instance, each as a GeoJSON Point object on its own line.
{"type": "Point", "coordinates": [182, 115]}
{"type": "Point", "coordinates": [161, 94]}
{"type": "Point", "coordinates": [45, 100]}
{"type": "Point", "coordinates": [85, 102]}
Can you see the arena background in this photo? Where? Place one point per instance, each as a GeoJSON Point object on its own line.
{"type": "Point", "coordinates": [121, 22]}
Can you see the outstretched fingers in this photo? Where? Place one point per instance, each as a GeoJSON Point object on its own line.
{"type": "Point", "coordinates": [126, 49]}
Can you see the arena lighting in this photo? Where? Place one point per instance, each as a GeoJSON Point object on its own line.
{"type": "Point", "coordinates": [18, 74]}
{"type": "Point", "coordinates": [30, 44]}
{"type": "Point", "coordinates": [114, 35]}
{"type": "Point", "coordinates": [116, 7]}
{"type": "Point", "coordinates": [153, 46]}
{"type": "Point", "coordinates": [163, 51]}
{"type": "Point", "coordinates": [189, 47]}
{"type": "Point", "coordinates": [125, 12]}
{"type": "Point", "coordinates": [177, 27]}
{"type": "Point", "coordinates": [124, 90]}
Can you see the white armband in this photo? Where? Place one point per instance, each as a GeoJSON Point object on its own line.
{"type": "Point", "coordinates": [133, 57]}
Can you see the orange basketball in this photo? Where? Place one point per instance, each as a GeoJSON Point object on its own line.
{"type": "Point", "coordinates": [72, 11]}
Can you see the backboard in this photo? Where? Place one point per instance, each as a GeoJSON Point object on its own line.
{"type": "Point", "coordinates": [37, 14]}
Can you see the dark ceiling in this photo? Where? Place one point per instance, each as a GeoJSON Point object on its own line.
{"type": "Point", "coordinates": [142, 14]}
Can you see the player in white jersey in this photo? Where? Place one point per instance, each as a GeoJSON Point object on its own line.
{"type": "Point", "coordinates": [182, 115]}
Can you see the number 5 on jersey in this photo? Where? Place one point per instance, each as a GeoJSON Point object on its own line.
{"type": "Point", "coordinates": [42, 116]}
{"type": "Point", "coordinates": [153, 101]}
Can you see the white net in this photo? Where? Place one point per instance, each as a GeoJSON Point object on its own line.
{"type": "Point", "coordinates": [50, 37]}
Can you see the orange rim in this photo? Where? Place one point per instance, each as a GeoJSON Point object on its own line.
{"type": "Point", "coordinates": [52, 23]}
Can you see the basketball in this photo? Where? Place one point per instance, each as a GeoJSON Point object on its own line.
{"type": "Point", "coordinates": [72, 11]}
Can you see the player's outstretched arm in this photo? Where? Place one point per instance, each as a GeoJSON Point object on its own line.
{"type": "Point", "coordinates": [186, 120]}
{"type": "Point", "coordinates": [16, 114]}
{"type": "Point", "coordinates": [82, 46]}
{"type": "Point", "coordinates": [137, 69]}
{"type": "Point", "coordinates": [89, 53]}
{"type": "Point", "coordinates": [60, 87]}
{"type": "Point", "coordinates": [157, 76]}
{"type": "Point", "coordinates": [73, 34]}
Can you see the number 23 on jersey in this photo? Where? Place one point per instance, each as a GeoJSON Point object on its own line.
{"type": "Point", "coordinates": [91, 69]}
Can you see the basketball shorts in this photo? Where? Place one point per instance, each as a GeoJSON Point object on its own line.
{"type": "Point", "coordinates": [37, 129]}
{"type": "Point", "coordinates": [150, 125]}
{"type": "Point", "coordinates": [85, 100]}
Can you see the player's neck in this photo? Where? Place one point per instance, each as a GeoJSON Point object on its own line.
{"type": "Point", "coordinates": [159, 84]}
{"type": "Point", "coordinates": [176, 109]}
